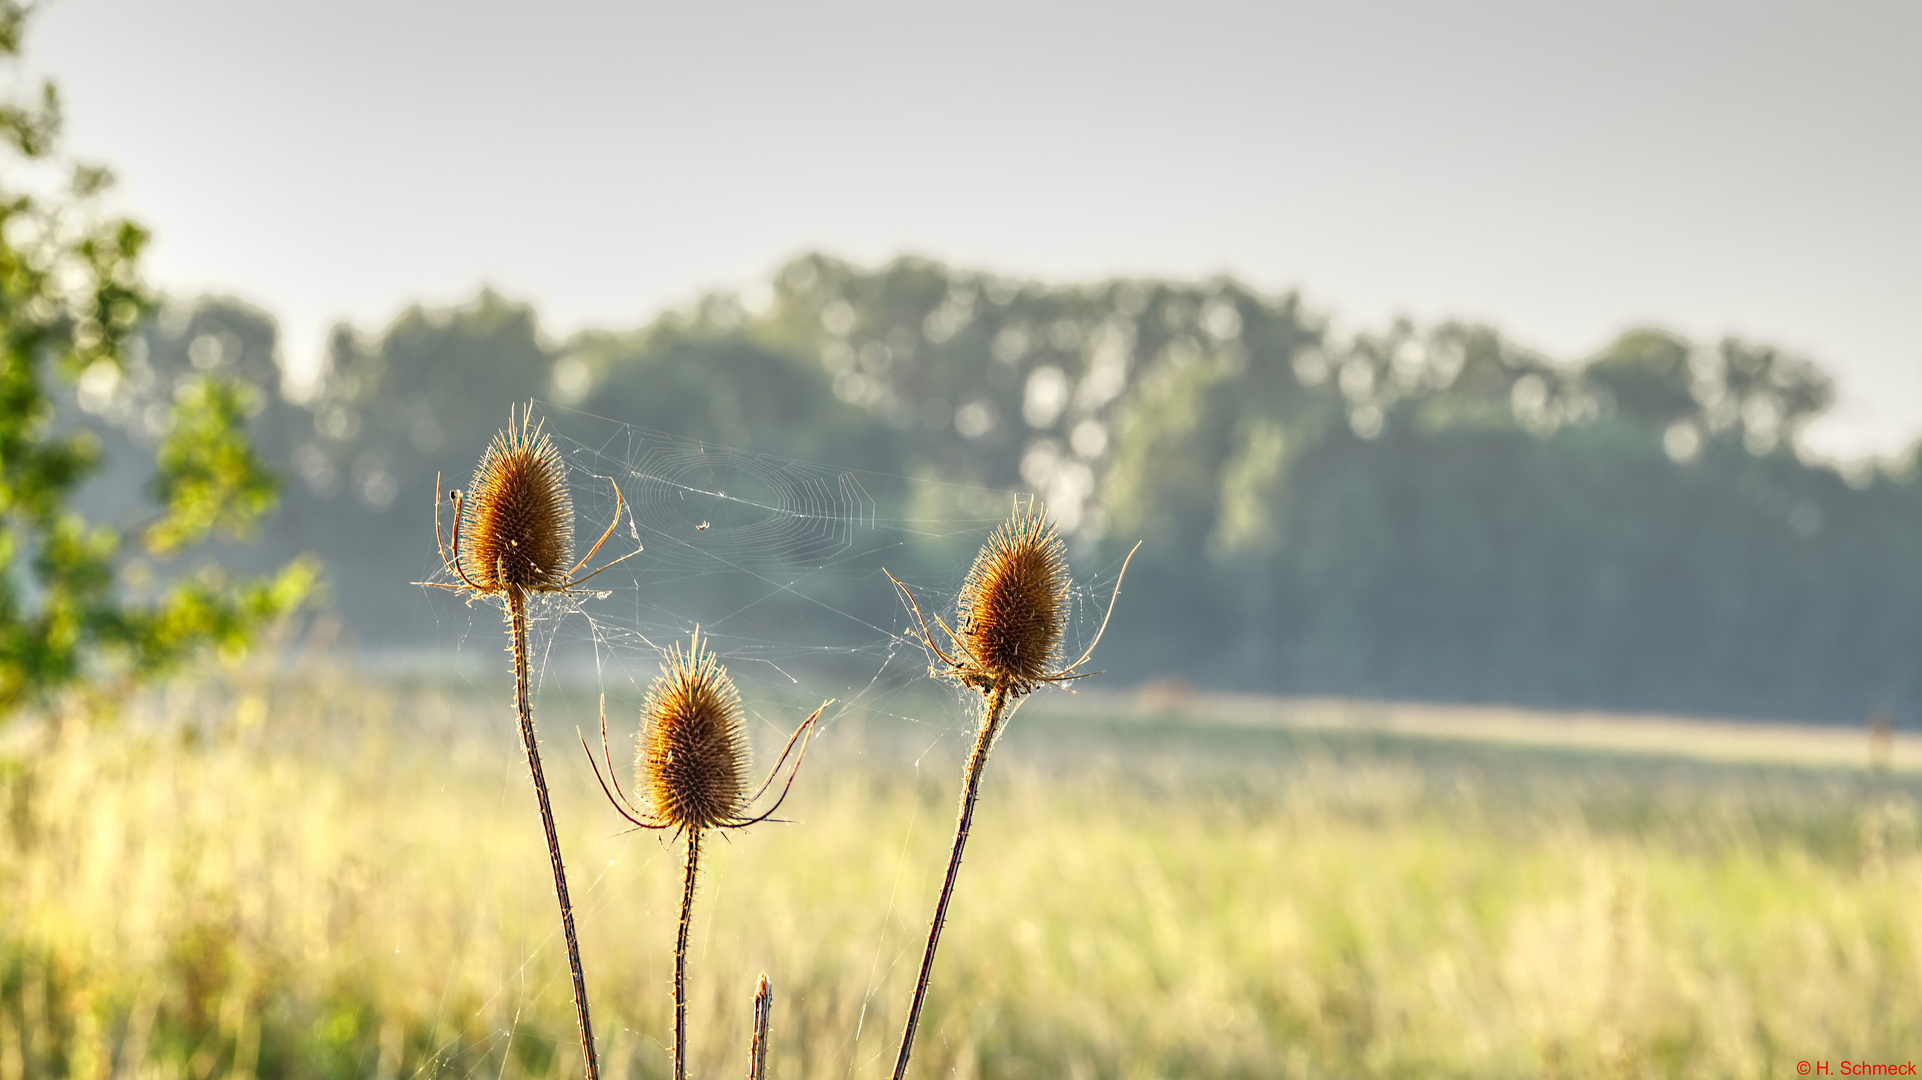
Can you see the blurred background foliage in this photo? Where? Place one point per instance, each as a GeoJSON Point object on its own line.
{"type": "Point", "coordinates": [1414, 512]}
{"type": "Point", "coordinates": [1425, 512]}
{"type": "Point", "coordinates": [80, 604]}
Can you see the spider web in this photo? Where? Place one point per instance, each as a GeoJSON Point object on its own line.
{"type": "Point", "coordinates": [779, 562]}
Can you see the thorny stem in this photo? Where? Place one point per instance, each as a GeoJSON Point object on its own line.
{"type": "Point", "coordinates": [517, 622]}
{"type": "Point", "coordinates": [977, 761]}
{"type": "Point", "coordinates": [757, 1047]}
{"type": "Point", "coordinates": [680, 955]}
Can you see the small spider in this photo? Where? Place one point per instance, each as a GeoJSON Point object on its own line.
{"type": "Point", "coordinates": [702, 527]}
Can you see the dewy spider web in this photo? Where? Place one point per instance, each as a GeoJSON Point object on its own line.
{"type": "Point", "coordinates": [779, 562]}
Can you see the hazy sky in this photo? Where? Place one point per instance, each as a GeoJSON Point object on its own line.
{"type": "Point", "coordinates": [1562, 170]}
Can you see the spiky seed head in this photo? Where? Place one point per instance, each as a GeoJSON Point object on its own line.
{"type": "Point", "coordinates": [693, 755]}
{"type": "Point", "coordinates": [1014, 604]}
{"type": "Point", "coordinates": [518, 519]}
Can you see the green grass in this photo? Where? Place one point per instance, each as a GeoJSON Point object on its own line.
{"type": "Point", "coordinates": [288, 880]}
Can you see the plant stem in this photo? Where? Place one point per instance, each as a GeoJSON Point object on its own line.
{"type": "Point", "coordinates": [680, 955]}
{"type": "Point", "coordinates": [757, 1047]}
{"type": "Point", "coordinates": [977, 761]}
{"type": "Point", "coordinates": [517, 622]}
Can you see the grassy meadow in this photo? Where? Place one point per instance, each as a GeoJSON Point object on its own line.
{"type": "Point", "coordinates": [315, 876]}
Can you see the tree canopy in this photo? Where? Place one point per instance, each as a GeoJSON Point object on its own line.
{"type": "Point", "coordinates": [81, 602]}
{"type": "Point", "coordinates": [1409, 511]}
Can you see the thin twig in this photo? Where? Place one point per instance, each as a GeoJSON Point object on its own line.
{"type": "Point", "coordinates": [517, 623]}
{"type": "Point", "coordinates": [977, 761]}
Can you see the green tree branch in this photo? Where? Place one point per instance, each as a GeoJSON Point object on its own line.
{"type": "Point", "coordinates": [71, 299]}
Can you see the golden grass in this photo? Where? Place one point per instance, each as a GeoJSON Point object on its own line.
{"type": "Point", "coordinates": [313, 886]}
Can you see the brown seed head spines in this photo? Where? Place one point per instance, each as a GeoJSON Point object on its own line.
{"type": "Point", "coordinates": [1014, 603]}
{"type": "Point", "coordinates": [518, 517]}
{"type": "Point", "coordinates": [693, 755]}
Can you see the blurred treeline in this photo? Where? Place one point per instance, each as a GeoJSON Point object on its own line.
{"type": "Point", "coordinates": [1411, 512]}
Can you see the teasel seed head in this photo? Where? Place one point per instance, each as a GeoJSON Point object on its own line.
{"type": "Point", "coordinates": [518, 518]}
{"type": "Point", "coordinates": [1014, 603]}
{"type": "Point", "coordinates": [693, 754]}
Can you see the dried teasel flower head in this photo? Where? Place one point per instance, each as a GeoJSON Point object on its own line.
{"type": "Point", "coordinates": [1013, 610]}
{"type": "Point", "coordinates": [517, 521]}
{"type": "Point", "coordinates": [1014, 603]}
{"type": "Point", "coordinates": [692, 764]}
{"type": "Point", "coordinates": [514, 531]}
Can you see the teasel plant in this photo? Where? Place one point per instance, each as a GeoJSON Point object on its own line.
{"type": "Point", "coordinates": [1006, 641]}
{"type": "Point", "coordinates": [691, 776]}
{"type": "Point", "coordinates": [512, 536]}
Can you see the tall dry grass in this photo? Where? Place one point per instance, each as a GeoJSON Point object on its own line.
{"type": "Point", "coordinates": [284, 879]}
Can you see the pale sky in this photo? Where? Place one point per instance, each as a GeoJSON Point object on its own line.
{"type": "Point", "coordinates": [1561, 170]}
